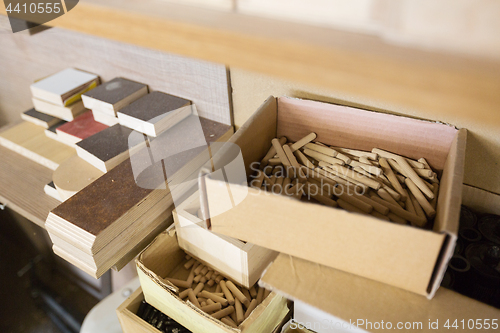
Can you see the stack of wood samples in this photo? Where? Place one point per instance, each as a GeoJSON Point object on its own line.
{"type": "Point", "coordinates": [107, 220]}
{"type": "Point", "coordinates": [80, 128]}
{"type": "Point", "coordinates": [105, 149]}
{"type": "Point", "coordinates": [155, 113]}
{"type": "Point", "coordinates": [108, 98]}
{"type": "Point", "coordinates": [30, 141]}
{"type": "Point", "coordinates": [39, 118]}
{"type": "Point", "coordinates": [59, 95]}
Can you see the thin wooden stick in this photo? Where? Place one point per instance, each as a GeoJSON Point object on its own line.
{"type": "Point", "coordinates": [302, 142]}
{"type": "Point", "coordinates": [392, 177]}
{"type": "Point", "coordinates": [322, 157]}
{"type": "Point", "coordinates": [426, 206]}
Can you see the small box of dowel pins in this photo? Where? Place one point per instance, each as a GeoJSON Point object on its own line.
{"type": "Point", "coordinates": [240, 261]}
{"type": "Point", "coordinates": [369, 193]}
{"type": "Point", "coordinates": [200, 298]}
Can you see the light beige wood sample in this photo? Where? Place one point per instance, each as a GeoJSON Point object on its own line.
{"type": "Point", "coordinates": [21, 188]}
{"type": "Point", "coordinates": [358, 153]}
{"type": "Point", "coordinates": [367, 167]}
{"type": "Point", "coordinates": [415, 164]}
{"type": "Point", "coordinates": [381, 209]}
{"type": "Point", "coordinates": [73, 175]}
{"type": "Point", "coordinates": [30, 141]}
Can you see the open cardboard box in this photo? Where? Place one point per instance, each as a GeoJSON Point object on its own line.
{"type": "Point", "coordinates": [164, 256]}
{"type": "Point", "coordinates": [349, 298]}
{"type": "Point", "coordinates": [241, 262]}
{"type": "Point", "coordinates": [403, 256]}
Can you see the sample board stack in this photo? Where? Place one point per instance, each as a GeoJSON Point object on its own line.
{"type": "Point", "coordinates": [118, 202]}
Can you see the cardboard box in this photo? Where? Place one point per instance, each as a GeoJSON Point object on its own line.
{"type": "Point", "coordinates": [164, 256]}
{"type": "Point", "coordinates": [407, 257]}
{"type": "Point", "coordinates": [351, 298]}
{"type": "Point", "coordinates": [242, 262]}
{"type": "Point", "coordinates": [129, 321]}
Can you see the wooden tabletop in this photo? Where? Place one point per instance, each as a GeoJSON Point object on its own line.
{"type": "Point", "coordinates": [21, 186]}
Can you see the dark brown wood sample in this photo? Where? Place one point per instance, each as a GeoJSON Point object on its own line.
{"type": "Point", "coordinates": [40, 118]}
{"type": "Point", "coordinates": [108, 198]}
{"type": "Point", "coordinates": [153, 105]}
{"type": "Point", "coordinates": [115, 90]}
{"type": "Point", "coordinates": [108, 143]}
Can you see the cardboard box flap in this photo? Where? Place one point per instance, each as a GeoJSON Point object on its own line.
{"type": "Point", "coordinates": [362, 240]}
{"type": "Point", "coordinates": [350, 297]}
{"type": "Point", "coordinates": [448, 206]}
{"type": "Point", "coordinates": [153, 262]}
{"type": "Point", "coordinates": [347, 127]}
{"type": "Point", "coordinates": [262, 122]}
{"type": "Point", "coordinates": [481, 200]}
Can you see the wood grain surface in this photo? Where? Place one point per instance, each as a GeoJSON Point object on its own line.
{"type": "Point", "coordinates": [21, 186]}
{"type": "Point", "coordinates": [30, 141]}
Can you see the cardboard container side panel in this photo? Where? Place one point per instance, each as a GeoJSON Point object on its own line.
{"type": "Point", "coordinates": [350, 297]}
{"type": "Point", "coordinates": [212, 249]}
{"type": "Point", "coordinates": [398, 255]}
{"type": "Point", "coordinates": [264, 318]}
{"type": "Point", "coordinates": [258, 258]}
{"type": "Point", "coordinates": [253, 148]}
{"type": "Point", "coordinates": [129, 321]}
{"type": "Point", "coordinates": [160, 262]}
{"type": "Point", "coordinates": [450, 187]}
{"type": "Point", "coordinates": [481, 200]}
{"type": "Point", "coordinates": [344, 126]}
{"type": "Point", "coordinates": [267, 316]}
{"type": "Point", "coordinates": [448, 206]}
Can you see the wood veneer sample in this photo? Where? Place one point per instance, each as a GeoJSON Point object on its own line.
{"type": "Point", "coordinates": [73, 175]}
{"type": "Point", "coordinates": [30, 141]}
{"type": "Point", "coordinates": [155, 113]}
{"type": "Point", "coordinates": [81, 128]}
{"type": "Point", "coordinates": [113, 95]}
{"type": "Point", "coordinates": [65, 87]}
{"type": "Point", "coordinates": [39, 118]}
{"type": "Point", "coordinates": [67, 113]}
{"type": "Point", "coordinates": [105, 149]}
{"type": "Point", "coordinates": [104, 201]}
{"type": "Point", "coordinates": [108, 198]}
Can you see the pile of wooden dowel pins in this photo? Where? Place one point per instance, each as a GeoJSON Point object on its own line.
{"type": "Point", "coordinates": [377, 182]}
{"type": "Point", "coordinates": [216, 295]}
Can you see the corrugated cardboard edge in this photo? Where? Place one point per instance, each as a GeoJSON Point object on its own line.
{"type": "Point", "coordinates": [452, 200]}
{"type": "Point", "coordinates": [256, 316]}
{"type": "Point", "coordinates": [218, 158]}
